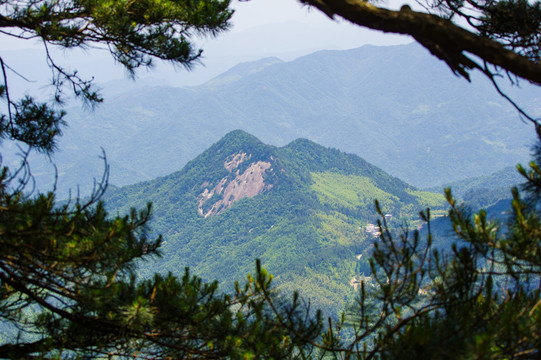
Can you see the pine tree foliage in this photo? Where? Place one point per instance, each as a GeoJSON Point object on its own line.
{"type": "Point", "coordinates": [478, 298]}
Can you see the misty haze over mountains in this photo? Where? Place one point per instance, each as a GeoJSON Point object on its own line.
{"type": "Point", "coordinates": [397, 107]}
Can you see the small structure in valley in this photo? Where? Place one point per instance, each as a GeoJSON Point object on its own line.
{"type": "Point", "coordinates": [373, 230]}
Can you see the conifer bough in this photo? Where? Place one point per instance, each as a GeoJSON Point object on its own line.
{"type": "Point", "coordinates": [135, 31]}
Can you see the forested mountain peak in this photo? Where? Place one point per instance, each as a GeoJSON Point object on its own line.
{"type": "Point", "coordinates": [301, 208]}
{"type": "Point", "coordinates": [237, 139]}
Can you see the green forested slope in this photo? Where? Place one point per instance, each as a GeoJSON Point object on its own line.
{"type": "Point", "coordinates": [306, 219]}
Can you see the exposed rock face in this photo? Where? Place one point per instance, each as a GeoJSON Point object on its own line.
{"type": "Point", "coordinates": [235, 161]}
{"type": "Point", "coordinates": [248, 184]}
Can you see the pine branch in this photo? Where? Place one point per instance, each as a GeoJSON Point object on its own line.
{"type": "Point", "coordinates": [23, 350]}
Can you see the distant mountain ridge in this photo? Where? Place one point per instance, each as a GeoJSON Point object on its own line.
{"type": "Point", "coordinates": [241, 70]}
{"type": "Point", "coordinates": [398, 107]}
{"type": "Point", "coordinates": [484, 191]}
{"type": "Point", "coordinates": [504, 178]}
{"type": "Point", "coordinates": [302, 209]}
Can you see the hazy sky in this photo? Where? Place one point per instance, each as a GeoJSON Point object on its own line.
{"type": "Point", "coordinates": [268, 14]}
{"type": "Point", "coordinates": [257, 12]}
{"type": "Point", "coordinates": [261, 28]}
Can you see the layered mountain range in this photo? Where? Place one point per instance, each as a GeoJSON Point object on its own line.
{"type": "Point", "coordinates": [398, 107]}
